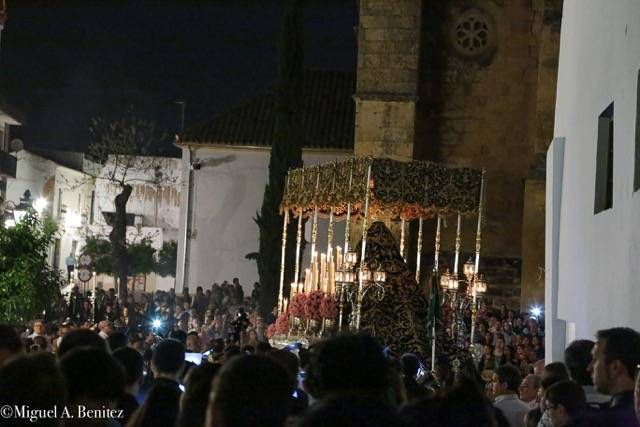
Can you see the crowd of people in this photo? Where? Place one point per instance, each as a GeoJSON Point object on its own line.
{"type": "Point", "coordinates": [509, 337]}
{"type": "Point", "coordinates": [217, 313]}
{"type": "Point", "coordinates": [104, 369]}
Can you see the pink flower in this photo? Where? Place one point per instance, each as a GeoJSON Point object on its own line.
{"type": "Point", "coordinates": [328, 308]}
{"type": "Point", "coordinates": [282, 323]}
{"type": "Point", "coordinates": [297, 306]}
{"type": "Point", "coordinates": [312, 307]}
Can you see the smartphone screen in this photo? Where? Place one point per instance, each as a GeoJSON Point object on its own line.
{"type": "Point", "coordinates": [195, 358]}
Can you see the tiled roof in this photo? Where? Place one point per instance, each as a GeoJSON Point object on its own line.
{"type": "Point", "coordinates": [327, 112]}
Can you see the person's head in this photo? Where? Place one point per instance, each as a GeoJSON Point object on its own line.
{"type": "Point", "coordinates": [348, 363]}
{"type": "Point", "coordinates": [10, 343]}
{"type": "Point", "coordinates": [351, 410]}
{"type": "Point", "coordinates": [615, 358]}
{"type": "Point", "coordinates": [288, 361]}
{"type": "Point", "coordinates": [168, 359]}
{"type": "Point", "coordinates": [105, 327]}
{"type": "Point", "coordinates": [506, 380]}
{"type": "Point", "coordinates": [199, 290]}
{"type": "Point", "coordinates": [35, 381]}
{"type": "Point", "coordinates": [179, 335]}
{"type": "Point", "coordinates": [116, 340]}
{"type": "Point", "coordinates": [193, 343]}
{"type": "Point", "coordinates": [556, 370]}
{"type": "Point", "coordinates": [464, 405]}
{"type": "Point", "coordinates": [194, 400]}
{"type": "Point", "coordinates": [131, 362]}
{"type": "Point", "coordinates": [250, 391]}
{"type": "Point", "coordinates": [577, 357]}
{"type": "Point", "coordinates": [532, 418]}
{"type": "Point", "coordinates": [263, 347]}
{"type": "Point", "coordinates": [93, 377]}
{"type": "Point", "coordinates": [528, 390]}
{"type": "Point", "coordinates": [81, 338]}
{"type": "Point", "coordinates": [38, 327]}
{"type": "Point", "coordinates": [565, 401]}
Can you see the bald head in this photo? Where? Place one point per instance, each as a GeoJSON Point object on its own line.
{"type": "Point", "coordinates": [528, 389]}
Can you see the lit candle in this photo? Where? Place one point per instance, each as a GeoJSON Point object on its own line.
{"type": "Point", "coordinates": [285, 306]}
{"type": "Point", "coordinates": [307, 280]}
{"type": "Point", "coordinates": [332, 277]}
{"type": "Point", "coordinates": [338, 257]}
{"type": "Point", "coordinates": [323, 272]}
{"type": "Point", "coordinates": [314, 271]}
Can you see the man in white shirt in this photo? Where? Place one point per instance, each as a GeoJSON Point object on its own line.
{"type": "Point", "coordinates": [105, 329]}
{"type": "Point", "coordinates": [38, 329]}
{"type": "Point", "coordinates": [505, 383]}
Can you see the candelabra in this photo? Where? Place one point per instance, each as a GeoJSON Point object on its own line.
{"type": "Point", "coordinates": [461, 300]}
{"type": "Point", "coordinates": [349, 292]}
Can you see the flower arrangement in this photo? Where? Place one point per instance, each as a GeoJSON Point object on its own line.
{"type": "Point", "coordinates": [312, 306]}
{"type": "Point", "coordinates": [271, 330]}
{"type": "Point", "coordinates": [328, 308]}
{"type": "Point", "coordinates": [282, 323]}
{"type": "Point", "coordinates": [297, 306]}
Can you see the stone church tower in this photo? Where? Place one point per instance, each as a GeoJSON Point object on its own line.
{"type": "Point", "coordinates": [468, 83]}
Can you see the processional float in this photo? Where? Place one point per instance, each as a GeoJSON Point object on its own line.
{"type": "Point", "coordinates": [328, 298]}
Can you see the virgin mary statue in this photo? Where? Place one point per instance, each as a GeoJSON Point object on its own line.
{"type": "Point", "coordinates": [399, 320]}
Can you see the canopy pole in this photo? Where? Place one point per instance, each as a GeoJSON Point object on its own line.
{"type": "Point", "coordinates": [477, 262]}
{"type": "Point", "coordinates": [296, 277]}
{"type": "Point", "coordinates": [455, 275]}
{"type": "Point", "coordinates": [363, 250]}
{"type": "Point", "coordinates": [435, 273]}
{"type": "Point", "coordinates": [314, 226]}
{"type": "Point", "coordinates": [283, 251]}
{"type": "Point", "coordinates": [403, 224]}
{"type": "Point", "coordinates": [419, 255]}
{"type": "Point", "coordinates": [347, 225]}
{"type": "Point", "coordinates": [330, 228]}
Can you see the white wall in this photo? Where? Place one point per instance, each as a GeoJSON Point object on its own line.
{"type": "Point", "coordinates": [32, 172]}
{"type": "Point", "coordinates": [598, 255]}
{"type": "Point", "coordinates": [227, 192]}
{"type": "Point", "coordinates": [70, 207]}
{"type": "Point", "coordinates": [67, 191]}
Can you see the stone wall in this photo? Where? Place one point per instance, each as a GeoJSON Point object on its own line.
{"type": "Point", "coordinates": [388, 56]}
{"type": "Point", "coordinates": [467, 83]}
{"type": "Point", "coordinates": [486, 100]}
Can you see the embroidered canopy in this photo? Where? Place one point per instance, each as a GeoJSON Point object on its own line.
{"type": "Point", "coordinates": [398, 189]}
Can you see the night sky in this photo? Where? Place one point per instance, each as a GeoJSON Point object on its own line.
{"type": "Point", "coordinates": [63, 62]}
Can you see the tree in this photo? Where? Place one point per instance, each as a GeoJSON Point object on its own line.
{"type": "Point", "coordinates": [122, 146]}
{"type": "Point", "coordinates": [167, 258]}
{"type": "Point", "coordinates": [286, 153]}
{"type": "Point", "coordinates": [101, 252]}
{"type": "Point", "coordinates": [28, 285]}
{"type": "Point", "coordinates": [141, 256]}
